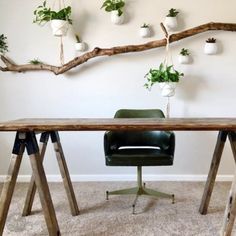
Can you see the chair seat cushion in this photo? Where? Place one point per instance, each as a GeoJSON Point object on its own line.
{"type": "Point", "coordinates": [139, 157]}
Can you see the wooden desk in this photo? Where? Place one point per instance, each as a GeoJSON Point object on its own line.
{"type": "Point", "coordinates": [25, 139]}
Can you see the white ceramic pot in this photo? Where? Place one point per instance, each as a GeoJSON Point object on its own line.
{"type": "Point", "coordinates": [116, 19]}
{"type": "Point", "coordinates": [145, 32]}
{"type": "Point", "coordinates": [59, 27]}
{"type": "Point", "coordinates": [80, 46]}
{"type": "Point", "coordinates": [210, 48]}
{"type": "Point", "coordinates": [171, 22]}
{"type": "Point", "coordinates": [184, 59]}
{"type": "Point", "coordinates": [168, 88]}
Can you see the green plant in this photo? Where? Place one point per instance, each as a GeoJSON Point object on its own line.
{"type": "Point", "coordinates": [145, 25]}
{"type": "Point", "coordinates": [35, 62]}
{"type": "Point", "coordinates": [211, 40]}
{"type": "Point", "coordinates": [162, 74]}
{"type": "Point", "coordinates": [173, 12]}
{"type": "Point", "coordinates": [184, 52]}
{"type": "Point", "coordinates": [78, 40]}
{"type": "Point", "coordinates": [113, 5]}
{"type": "Point", "coordinates": [44, 14]}
{"type": "Point", "coordinates": [3, 44]}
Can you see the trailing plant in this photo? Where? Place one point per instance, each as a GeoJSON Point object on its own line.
{"type": "Point", "coordinates": [211, 40]}
{"type": "Point", "coordinates": [44, 14]}
{"type": "Point", "coordinates": [78, 40]}
{"type": "Point", "coordinates": [162, 74]}
{"type": "Point", "coordinates": [172, 13]}
{"type": "Point", "coordinates": [35, 62]}
{"type": "Point", "coordinates": [3, 44]}
{"type": "Point", "coordinates": [145, 25]}
{"type": "Point", "coordinates": [113, 5]}
{"type": "Point", "coordinates": [184, 52]}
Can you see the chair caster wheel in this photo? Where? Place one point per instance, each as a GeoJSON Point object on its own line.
{"type": "Point", "coordinates": [133, 209]}
{"type": "Point", "coordinates": [107, 193]}
{"type": "Point", "coordinates": [144, 185]}
{"type": "Point", "coordinates": [173, 199]}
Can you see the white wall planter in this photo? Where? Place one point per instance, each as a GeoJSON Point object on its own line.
{"type": "Point", "coordinates": [171, 22]}
{"type": "Point", "coordinates": [116, 19]}
{"type": "Point", "coordinates": [210, 48]}
{"type": "Point", "coordinates": [59, 27]}
{"type": "Point", "coordinates": [80, 46]}
{"type": "Point", "coordinates": [145, 32]}
{"type": "Point", "coordinates": [168, 88]}
{"type": "Point", "coordinates": [184, 59]}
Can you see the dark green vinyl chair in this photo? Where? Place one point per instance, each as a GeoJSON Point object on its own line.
{"type": "Point", "coordinates": [139, 148]}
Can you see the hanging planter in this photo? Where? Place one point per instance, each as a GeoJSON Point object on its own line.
{"type": "Point", "coordinates": [145, 31]}
{"type": "Point", "coordinates": [3, 44]}
{"type": "Point", "coordinates": [167, 78]}
{"type": "Point", "coordinates": [116, 9]}
{"type": "Point", "coordinates": [184, 57]}
{"type": "Point", "coordinates": [60, 20]}
{"type": "Point", "coordinates": [168, 88]}
{"type": "Point", "coordinates": [171, 22]}
{"type": "Point", "coordinates": [211, 47]}
{"type": "Point", "coordinates": [79, 46]}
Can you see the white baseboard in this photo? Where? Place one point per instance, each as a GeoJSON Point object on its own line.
{"type": "Point", "coordinates": [85, 178]}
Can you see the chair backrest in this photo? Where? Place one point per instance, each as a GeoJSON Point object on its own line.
{"type": "Point", "coordinates": [140, 138]}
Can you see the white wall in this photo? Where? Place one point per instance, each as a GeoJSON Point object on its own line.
{"type": "Point", "coordinates": [103, 85]}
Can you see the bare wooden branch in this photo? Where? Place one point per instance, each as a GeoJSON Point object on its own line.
{"type": "Point", "coordinates": [97, 52]}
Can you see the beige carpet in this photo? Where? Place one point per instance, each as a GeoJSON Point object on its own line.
{"type": "Point", "coordinates": [113, 217]}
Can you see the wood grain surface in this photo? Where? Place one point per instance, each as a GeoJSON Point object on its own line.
{"type": "Point", "coordinates": [99, 124]}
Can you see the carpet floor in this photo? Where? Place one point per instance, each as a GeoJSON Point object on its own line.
{"type": "Point", "coordinates": [114, 217]}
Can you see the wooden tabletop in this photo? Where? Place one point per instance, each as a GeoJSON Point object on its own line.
{"type": "Point", "coordinates": [93, 124]}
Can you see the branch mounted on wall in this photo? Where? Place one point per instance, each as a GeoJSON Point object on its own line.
{"type": "Point", "coordinates": [97, 52]}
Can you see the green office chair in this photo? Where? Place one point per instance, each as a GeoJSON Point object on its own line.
{"type": "Point", "coordinates": [139, 148]}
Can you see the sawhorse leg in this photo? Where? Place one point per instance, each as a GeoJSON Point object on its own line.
{"type": "Point", "coordinates": [230, 211]}
{"type": "Point", "coordinates": [64, 173]}
{"type": "Point", "coordinates": [29, 141]}
{"type": "Point", "coordinates": [213, 171]}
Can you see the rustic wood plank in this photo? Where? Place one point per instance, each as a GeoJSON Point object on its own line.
{"type": "Point", "coordinates": [32, 186]}
{"type": "Point", "coordinates": [65, 174]}
{"type": "Point", "coordinates": [8, 187]}
{"type": "Point", "coordinates": [230, 210]}
{"type": "Point", "coordinates": [93, 124]}
{"type": "Point", "coordinates": [212, 172]}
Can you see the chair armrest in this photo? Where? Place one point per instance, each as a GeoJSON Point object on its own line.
{"type": "Point", "coordinates": [168, 143]}
{"type": "Point", "coordinates": [110, 142]}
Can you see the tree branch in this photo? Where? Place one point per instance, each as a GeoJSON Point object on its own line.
{"type": "Point", "coordinates": [97, 52]}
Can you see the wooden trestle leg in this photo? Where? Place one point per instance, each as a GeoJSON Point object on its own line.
{"type": "Point", "coordinates": [10, 182]}
{"type": "Point", "coordinates": [230, 211]}
{"type": "Point", "coordinates": [213, 171]}
{"type": "Point", "coordinates": [64, 173]}
{"type": "Point", "coordinates": [41, 184]}
{"type": "Point", "coordinates": [32, 186]}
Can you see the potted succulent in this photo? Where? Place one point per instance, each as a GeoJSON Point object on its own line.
{"type": "Point", "coordinates": [79, 46]}
{"type": "Point", "coordinates": [3, 44]}
{"type": "Point", "coordinates": [210, 46]}
{"type": "Point", "coordinates": [184, 57]}
{"type": "Point", "coordinates": [145, 31]}
{"type": "Point", "coordinates": [116, 9]}
{"type": "Point", "coordinates": [167, 78]}
{"type": "Point", "coordinates": [171, 19]}
{"type": "Point", "coordinates": [60, 20]}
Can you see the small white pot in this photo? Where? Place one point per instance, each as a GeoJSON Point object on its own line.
{"type": "Point", "coordinates": [145, 32]}
{"type": "Point", "coordinates": [210, 48]}
{"type": "Point", "coordinates": [184, 59]}
{"type": "Point", "coordinates": [171, 22]}
{"type": "Point", "coordinates": [80, 46]}
{"type": "Point", "coordinates": [59, 27]}
{"type": "Point", "coordinates": [168, 88]}
{"type": "Point", "coordinates": [116, 19]}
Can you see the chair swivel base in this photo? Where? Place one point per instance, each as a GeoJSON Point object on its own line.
{"type": "Point", "coordinates": [138, 191]}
